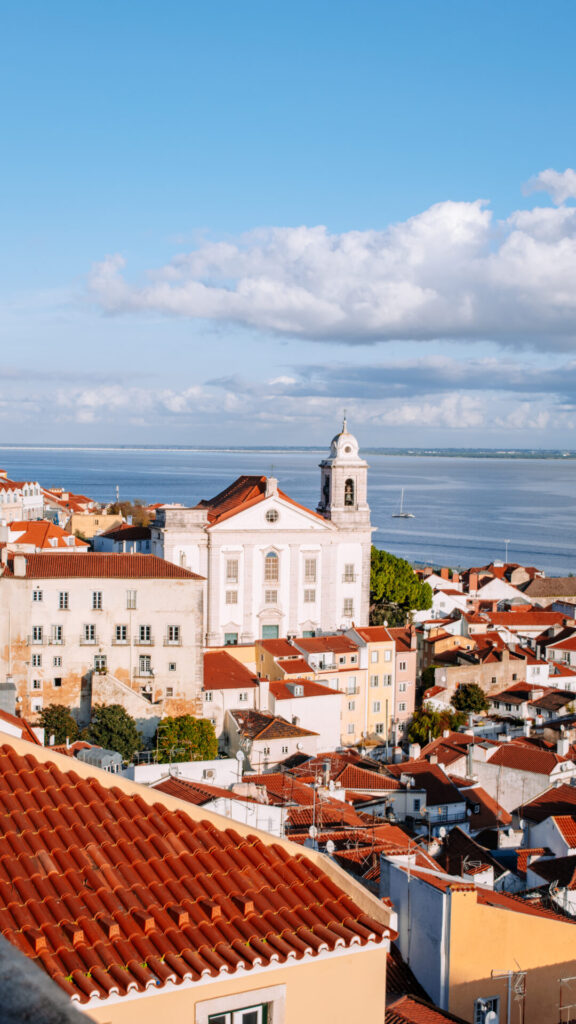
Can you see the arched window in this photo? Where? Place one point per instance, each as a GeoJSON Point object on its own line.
{"type": "Point", "coordinates": [349, 492]}
{"type": "Point", "coordinates": [271, 567]}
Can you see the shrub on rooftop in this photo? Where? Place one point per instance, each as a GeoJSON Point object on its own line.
{"type": "Point", "coordinates": [185, 738]}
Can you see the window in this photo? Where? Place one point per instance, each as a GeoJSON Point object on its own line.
{"type": "Point", "coordinates": [266, 751]}
{"type": "Point", "coordinates": [171, 666]}
{"type": "Point", "coordinates": [121, 634]}
{"type": "Point", "coordinates": [230, 639]}
{"type": "Point", "coordinates": [57, 661]}
{"type": "Point", "coordinates": [271, 568]}
{"type": "Point", "coordinates": [89, 634]}
{"type": "Point", "coordinates": [37, 704]}
{"type": "Point", "coordinates": [350, 729]}
{"type": "Point", "coordinates": [270, 632]}
{"type": "Point", "coordinates": [376, 707]}
{"type": "Point", "coordinates": [36, 660]}
{"type": "Point", "coordinates": [374, 680]}
{"type": "Point", "coordinates": [100, 663]}
{"type": "Point", "coordinates": [131, 600]}
{"type": "Point", "coordinates": [57, 637]}
{"type": "Point", "coordinates": [173, 634]}
{"type": "Point", "coordinates": [284, 749]}
{"type": "Point", "coordinates": [97, 600]}
{"type": "Point", "coordinates": [57, 681]}
{"type": "Point", "coordinates": [349, 575]}
{"type": "Point", "coordinates": [483, 1007]}
{"type": "Point", "coordinates": [272, 515]}
{"type": "Point", "coordinates": [351, 686]}
{"type": "Point", "coordinates": [63, 600]}
{"type": "Point", "coordinates": [349, 492]}
{"type": "Point", "coordinates": [270, 597]}
{"type": "Point", "coordinates": [145, 634]}
{"type": "Point", "coordinates": [353, 659]}
{"type": "Point", "coordinates": [231, 597]}
{"type": "Point", "coordinates": [342, 659]}
{"type": "Point", "coordinates": [310, 570]}
{"type": "Point", "coordinates": [402, 706]}
{"type": "Point", "coordinates": [374, 655]}
{"type": "Point", "coordinates": [145, 665]}
{"type": "Point", "coordinates": [208, 696]}
{"type": "Point", "coordinates": [387, 680]}
{"type": "Point", "coordinates": [493, 680]}
{"type": "Point", "coordinates": [232, 570]}
{"type": "Point", "coordinates": [514, 676]}
{"type": "Point", "coordinates": [379, 728]}
{"type": "Point", "coordinates": [36, 684]}
{"type": "Point", "coordinates": [351, 705]}
{"type": "Point", "coordinates": [402, 666]}
{"type": "Point", "coordinates": [169, 691]}
{"type": "Point", "coordinates": [37, 595]}
{"type": "Point", "coordinates": [402, 687]}
{"type": "Point", "coordinates": [243, 697]}
{"type": "Point", "coordinates": [348, 608]}
{"type": "Point", "coordinates": [309, 596]}
{"type": "Point", "coordinates": [387, 655]}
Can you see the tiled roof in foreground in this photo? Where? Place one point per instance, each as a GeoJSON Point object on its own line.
{"type": "Point", "coordinates": [113, 894]}
{"type": "Point", "coordinates": [93, 565]}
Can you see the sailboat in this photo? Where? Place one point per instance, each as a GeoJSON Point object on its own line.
{"type": "Point", "coordinates": [401, 514]}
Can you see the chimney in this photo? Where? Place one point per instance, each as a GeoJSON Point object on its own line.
{"type": "Point", "coordinates": [473, 582]}
{"type": "Point", "coordinates": [470, 761]}
{"type": "Point", "coordinates": [413, 638]}
{"type": "Point", "coordinates": [445, 573]}
{"type": "Point", "coordinates": [3, 474]}
{"type": "Point", "coordinates": [433, 759]}
{"type": "Point", "coordinates": [562, 746]}
{"type": "Point", "coordinates": [19, 566]}
{"type": "Point", "coordinates": [455, 577]}
{"type": "Point", "coordinates": [271, 486]}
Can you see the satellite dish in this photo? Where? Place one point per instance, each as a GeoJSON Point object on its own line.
{"type": "Point", "coordinates": [239, 755]}
{"type": "Point", "coordinates": [442, 832]}
{"type": "Point", "coordinates": [312, 831]}
{"type": "Point", "coordinates": [298, 746]}
{"type": "Point", "coordinates": [491, 1017]}
{"type": "Point", "coordinates": [330, 847]}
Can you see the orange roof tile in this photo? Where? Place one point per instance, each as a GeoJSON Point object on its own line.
{"type": "Point", "coordinates": [525, 759]}
{"type": "Point", "coordinates": [558, 800]}
{"type": "Point", "coordinates": [566, 825]}
{"type": "Point", "coordinates": [244, 493]}
{"type": "Point", "coordinates": [294, 666]}
{"type": "Point", "coordinates": [222, 671]}
{"type": "Point", "coordinates": [45, 535]}
{"type": "Point", "coordinates": [412, 1010]}
{"type": "Point", "coordinates": [100, 566]}
{"type": "Point", "coordinates": [132, 895]}
{"type": "Point", "coordinates": [281, 690]}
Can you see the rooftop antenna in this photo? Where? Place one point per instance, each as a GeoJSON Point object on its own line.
{"type": "Point", "coordinates": [506, 555]}
{"type": "Point", "coordinates": [117, 493]}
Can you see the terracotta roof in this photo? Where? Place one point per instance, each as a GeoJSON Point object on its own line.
{"type": "Point", "coordinates": [430, 777]}
{"type": "Point", "coordinates": [100, 566]}
{"type": "Point", "coordinates": [560, 870]}
{"type": "Point", "coordinates": [282, 691]}
{"type": "Point", "coordinates": [319, 644]}
{"type": "Point", "coordinates": [400, 980]}
{"type": "Point", "coordinates": [553, 586]}
{"type": "Point", "coordinates": [554, 700]}
{"type": "Point", "coordinates": [19, 725]}
{"type": "Point", "coordinates": [434, 691]}
{"type": "Point", "coordinates": [410, 1010]}
{"type": "Point", "coordinates": [518, 904]}
{"type": "Point", "coordinates": [45, 535]}
{"type": "Point", "coordinates": [282, 788]}
{"type": "Point", "coordinates": [486, 812]}
{"type": "Point", "coordinates": [224, 672]}
{"type": "Point", "coordinates": [527, 618]}
{"type": "Point", "coordinates": [566, 825]}
{"type": "Point", "coordinates": [243, 493]}
{"type": "Point", "coordinates": [462, 855]}
{"type": "Point", "coordinates": [402, 636]}
{"type": "Point", "coordinates": [197, 793]}
{"type": "Point", "coordinates": [294, 666]}
{"type": "Point", "coordinates": [567, 644]}
{"type": "Point", "coordinates": [113, 894]}
{"type": "Point", "coordinates": [279, 648]}
{"type": "Point", "coordinates": [127, 532]}
{"type": "Point", "coordinates": [353, 777]}
{"type": "Point", "coordinates": [323, 816]}
{"type": "Point", "coordinates": [261, 725]}
{"type": "Point", "coordinates": [374, 634]}
{"type": "Point", "coordinates": [557, 800]}
{"type": "Point", "coordinates": [525, 759]}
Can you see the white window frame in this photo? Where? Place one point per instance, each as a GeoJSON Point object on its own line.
{"type": "Point", "coordinates": [271, 567]}
{"type": "Point", "coordinates": [131, 600]}
{"type": "Point", "coordinates": [348, 607]}
{"type": "Point", "coordinates": [97, 600]}
{"type": "Point", "coordinates": [309, 597]}
{"type": "Point", "coordinates": [310, 570]}
{"type": "Point", "coordinates": [231, 597]}
{"type": "Point", "coordinates": [402, 666]}
{"type": "Point", "coordinates": [37, 595]}
{"type": "Point", "coordinates": [64, 600]}
{"type": "Point", "coordinates": [374, 656]}
{"type": "Point", "coordinates": [374, 681]}
{"type": "Point", "coordinates": [270, 597]}
{"type": "Point", "coordinates": [232, 569]}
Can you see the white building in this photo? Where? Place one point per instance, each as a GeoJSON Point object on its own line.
{"type": "Point", "coordinates": [274, 567]}
{"type": "Point", "coordinates": [76, 629]}
{"type": "Point", "coordinates": [22, 499]}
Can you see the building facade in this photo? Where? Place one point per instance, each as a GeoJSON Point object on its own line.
{"type": "Point", "coordinates": [273, 567]}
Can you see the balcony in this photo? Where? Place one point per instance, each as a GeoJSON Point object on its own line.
{"type": "Point", "coordinates": [88, 640]}
{"type": "Point", "coordinates": [352, 691]}
{"type": "Point", "coordinates": [116, 641]}
{"type": "Point", "coordinates": [143, 641]}
{"type": "Point", "coordinates": [172, 643]}
{"type": "Point", "coordinates": [327, 666]}
{"type": "Point", "coordinates": [143, 673]}
{"type": "Point", "coordinates": [349, 577]}
{"type": "Point", "coordinates": [44, 641]}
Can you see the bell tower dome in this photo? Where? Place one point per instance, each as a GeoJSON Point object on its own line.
{"type": "Point", "coordinates": [343, 485]}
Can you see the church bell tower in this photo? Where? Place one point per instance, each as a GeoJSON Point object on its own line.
{"type": "Point", "coordinates": [343, 485]}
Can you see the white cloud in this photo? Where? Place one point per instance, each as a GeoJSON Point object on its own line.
{"type": "Point", "coordinates": [560, 185]}
{"type": "Point", "coordinates": [449, 272]}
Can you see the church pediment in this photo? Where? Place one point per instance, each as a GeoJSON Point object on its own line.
{"type": "Point", "coordinates": [272, 515]}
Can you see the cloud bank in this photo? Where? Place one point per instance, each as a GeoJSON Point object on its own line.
{"type": "Point", "coordinates": [451, 272]}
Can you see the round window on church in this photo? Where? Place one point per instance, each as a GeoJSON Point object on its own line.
{"type": "Point", "coordinates": [347, 449]}
{"type": "Point", "coordinates": [272, 515]}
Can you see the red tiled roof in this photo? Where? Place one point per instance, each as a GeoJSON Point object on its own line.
{"type": "Point", "coordinates": [197, 793]}
{"type": "Point", "coordinates": [40, 533]}
{"type": "Point", "coordinates": [19, 725]}
{"type": "Point", "coordinates": [243, 493]}
{"type": "Point", "coordinates": [100, 566]}
{"type": "Point", "coordinates": [566, 825]}
{"type": "Point", "coordinates": [527, 618]}
{"type": "Point", "coordinates": [279, 648]}
{"type": "Point", "coordinates": [374, 634]}
{"type": "Point", "coordinates": [127, 532]}
{"type": "Point", "coordinates": [486, 812]}
{"type": "Point", "coordinates": [294, 666]}
{"type": "Point", "coordinates": [430, 777]}
{"type": "Point", "coordinates": [411, 1010]}
{"type": "Point", "coordinates": [352, 777]}
{"type": "Point", "coordinates": [261, 725]}
{"type": "Point", "coordinates": [319, 644]}
{"type": "Point", "coordinates": [560, 870]}
{"type": "Point", "coordinates": [112, 894]}
{"type": "Point", "coordinates": [282, 691]}
{"type": "Point", "coordinates": [568, 644]}
{"type": "Point", "coordinates": [558, 800]}
{"type": "Point", "coordinates": [224, 672]}
{"type": "Point", "coordinates": [282, 788]}
{"type": "Point", "coordinates": [525, 759]}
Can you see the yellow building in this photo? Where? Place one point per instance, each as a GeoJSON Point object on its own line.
{"type": "Point", "coordinates": [377, 655]}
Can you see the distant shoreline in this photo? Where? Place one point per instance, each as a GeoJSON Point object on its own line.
{"type": "Point", "coordinates": [446, 453]}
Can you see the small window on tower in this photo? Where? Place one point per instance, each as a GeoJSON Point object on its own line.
{"type": "Point", "coordinates": [349, 492]}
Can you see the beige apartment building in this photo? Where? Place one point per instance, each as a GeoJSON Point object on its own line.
{"type": "Point", "coordinates": [78, 628]}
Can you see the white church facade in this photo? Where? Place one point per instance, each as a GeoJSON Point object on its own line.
{"type": "Point", "coordinates": [274, 567]}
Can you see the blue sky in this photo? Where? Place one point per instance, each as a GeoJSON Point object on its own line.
{"type": "Point", "coordinates": [225, 222]}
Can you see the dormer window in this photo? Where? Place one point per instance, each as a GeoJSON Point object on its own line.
{"type": "Point", "coordinates": [349, 492]}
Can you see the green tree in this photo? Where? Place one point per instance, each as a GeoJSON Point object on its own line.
{"type": "Point", "coordinates": [395, 590]}
{"type": "Point", "coordinates": [185, 738]}
{"type": "Point", "coordinates": [113, 728]}
{"type": "Point", "coordinates": [427, 724]}
{"type": "Point", "coordinates": [470, 697]}
{"type": "Point", "coordinates": [58, 722]}
{"type": "Point", "coordinates": [136, 509]}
